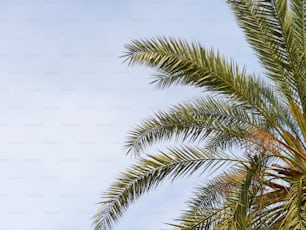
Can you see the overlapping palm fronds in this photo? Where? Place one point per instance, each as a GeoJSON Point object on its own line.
{"type": "Point", "coordinates": [265, 187]}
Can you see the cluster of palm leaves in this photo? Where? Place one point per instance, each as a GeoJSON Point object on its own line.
{"type": "Point", "coordinates": [260, 118]}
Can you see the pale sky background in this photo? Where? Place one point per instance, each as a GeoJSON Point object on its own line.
{"type": "Point", "coordinates": [67, 103]}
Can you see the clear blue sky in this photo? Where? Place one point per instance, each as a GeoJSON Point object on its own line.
{"type": "Point", "coordinates": [67, 103]}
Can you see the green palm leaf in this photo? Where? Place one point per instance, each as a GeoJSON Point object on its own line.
{"type": "Point", "coordinates": [195, 121]}
{"type": "Point", "coordinates": [149, 173]}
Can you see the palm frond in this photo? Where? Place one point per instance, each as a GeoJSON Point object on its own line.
{"type": "Point", "coordinates": [268, 28]}
{"type": "Point", "coordinates": [205, 206]}
{"type": "Point", "coordinates": [148, 174]}
{"type": "Point", "coordinates": [296, 206]}
{"type": "Point", "coordinates": [262, 22]}
{"type": "Point", "coordinates": [299, 21]}
{"type": "Point", "coordinates": [196, 120]}
{"type": "Point", "coordinates": [240, 199]}
{"type": "Point", "coordinates": [298, 8]}
{"type": "Point", "coordinates": [181, 63]}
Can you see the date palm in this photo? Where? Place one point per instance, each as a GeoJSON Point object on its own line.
{"type": "Point", "coordinates": [261, 118]}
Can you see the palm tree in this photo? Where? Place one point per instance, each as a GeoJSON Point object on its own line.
{"type": "Point", "coordinates": [261, 118]}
